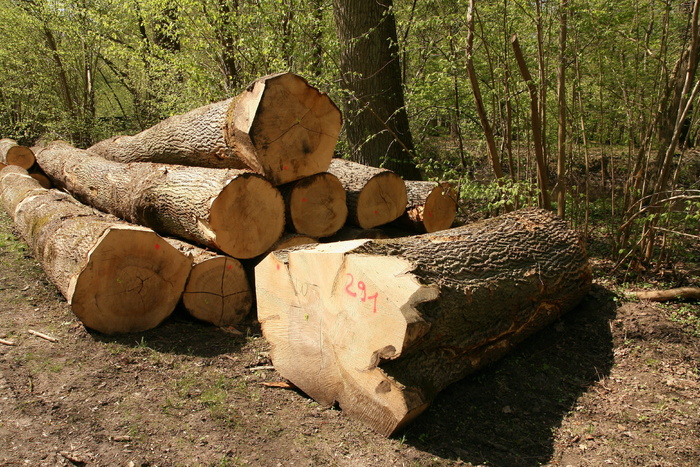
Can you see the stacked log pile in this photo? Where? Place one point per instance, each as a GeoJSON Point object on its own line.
{"type": "Point", "coordinates": [379, 326]}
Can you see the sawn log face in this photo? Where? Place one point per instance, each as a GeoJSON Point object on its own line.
{"type": "Point", "coordinates": [381, 326]}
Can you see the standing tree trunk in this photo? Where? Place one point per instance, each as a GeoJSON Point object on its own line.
{"type": "Point", "coordinates": [116, 277]}
{"type": "Point", "coordinates": [561, 134]}
{"type": "Point", "coordinates": [280, 127]}
{"type": "Point", "coordinates": [381, 326]}
{"type": "Point", "coordinates": [235, 211]}
{"type": "Point", "coordinates": [377, 127]}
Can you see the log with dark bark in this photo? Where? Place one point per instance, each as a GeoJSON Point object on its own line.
{"type": "Point", "coordinates": [431, 206]}
{"type": "Point", "coordinates": [235, 211]}
{"type": "Point", "coordinates": [374, 196]}
{"type": "Point", "coordinates": [280, 126]}
{"type": "Point", "coordinates": [381, 326]}
{"type": "Point", "coordinates": [217, 290]}
{"type": "Point", "coordinates": [12, 153]}
{"type": "Point", "coordinates": [117, 277]}
{"type": "Point", "coordinates": [316, 205]}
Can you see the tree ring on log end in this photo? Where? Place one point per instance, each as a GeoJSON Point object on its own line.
{"type": "Point", "coordinates": [247, 217]}
{"type": "Point", "coordinates": [382, 200]}
{"type": "Point", "coordinates": [132, 281]}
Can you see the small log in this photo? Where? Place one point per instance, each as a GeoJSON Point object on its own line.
{"type": "Point", "coordinates": [217, 290]}
{"type": "Point", "coordinates": [680, 293]}
{"type": "Point", "coordinates": [431, 206]}
{"type": "Point", "coordinates": [280, 127]}
{"type": "Point", "coordinates": [374, 196]}
{"type": "Point", "coordinates": [381, 326]}
{"type": "Point", "coordinates": [235, 211]}
{"type": "Point", "coordinates": [315, 205]}
{"type": "Point", "coordinates": [6, 342]}
{"type": "Point", "coordinates": [116, 277]}
{"type": "Point", "coordinates": [12, 153]}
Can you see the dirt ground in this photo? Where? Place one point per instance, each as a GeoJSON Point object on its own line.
{"type": "Point", "coordinates": [615, 382]}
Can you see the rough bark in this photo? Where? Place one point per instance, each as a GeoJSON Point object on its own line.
{"type": "Point", "coordinates": [381, 326]}
{"type": "Point", "coordinates": [235, 211]}
{"type": "Point", "coordinates": [117, 277]}
{"type": "Point", "coordinates": [374, 196]}
{"type": "Point", "coordinates": [316, 205]}
{"type": "Point", "coordinates": [217, 290]}
{"type": "Point", "coordinates": [280, 127]}
{"type": "Point", "coordinates": [431, 206]}
{"type": "Point", "coordinates": [12, 153]}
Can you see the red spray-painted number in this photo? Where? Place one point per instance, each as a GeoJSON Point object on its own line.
{"type": "Point", "coordinates": [362, 287]}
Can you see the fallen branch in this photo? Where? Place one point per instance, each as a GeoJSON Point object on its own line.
{"type": "Point", "coordinates": [681, 293]}
{"type": "Point", "coordinates": [4, 342]}
{"type": "Point", "coordinates": [42, 335]}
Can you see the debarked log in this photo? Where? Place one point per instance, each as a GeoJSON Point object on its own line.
{"type": "Point", "coordinates": [117, 277]}
{"type": "Point", "coordinates": [280, 126]}
{"type": "Point", "coordinates": [235, 211]}
{"type": "Point", "coordinates": [381, 326]}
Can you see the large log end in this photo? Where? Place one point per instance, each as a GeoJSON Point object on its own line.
{"type": "Point", "coordinates": [132, 281]}
{"type": "Point", "coordinates": [283, 128]}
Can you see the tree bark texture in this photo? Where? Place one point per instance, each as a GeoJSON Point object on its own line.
{"type": "Point", "coordinates": [381, 326]}
{"type": "Point", "coordinates": [315, 205]}
{"type": "Point", "coordinates": [12, 153]}
{"type": "Point", "coordinates": [377, 127]}
{"type": "Point", "coordinates": [280, 127]}
{"type": "Point", "coordinates": [116, 277]}
{"type": "Point", "coordinates": [235, 211]}
{"type": "Point", "coordinates": [431, 206]}
{"type": "Point", "coordinates": [374, 196]}
{"type": "Point", "coordinates": [217, 290]}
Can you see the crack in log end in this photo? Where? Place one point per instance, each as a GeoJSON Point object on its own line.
{"type": "Point", "coordinates": [386, 353]}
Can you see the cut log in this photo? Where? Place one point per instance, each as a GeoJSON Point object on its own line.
{"type": "Point", "coordinates": [12, 153]}
{"type": "Point", "coordinates": [381, 326]}
{"type": "Point", "coordinates": [116, 277]}
{"type": "Point", "coordinates": [280, 127]}
{"type": "Point", "coordinates": [217, 290]}
{"type": "Point", "coordinates": [19, 185]}
{"type": "Point", "coordinates": [43, 180]}
{"type": "Point", "coordinates": [354, 233]}
{"type": "Point", "coordinates": [374, 196]}
{"type": "Point", "coordinates": [290, 240]}
{"type": "Point", "coordinates": [235, 211]}
{"type": "Point", "coordinates": [680, 293]}
{"type": "Point", "coordinates": [431, 206]}
{"type": "Point", "coordinates": [315, 205]}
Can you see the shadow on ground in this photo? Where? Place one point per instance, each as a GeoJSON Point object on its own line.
{"type": "Point", "coordinates": [505, 415]}
{"type": "Point", "coordinates": [181, 334]}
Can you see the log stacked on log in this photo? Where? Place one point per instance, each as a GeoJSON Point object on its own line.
{"type": "Point", "coordinates": [280, 127]}
{"type": "Point", "coordinates": [381, 326]}
{"type": "Point", "coordinates": [431, 206]}
{"type": "Point", "coordinates": [374, 196]}
{"type": "Point", "coordinates": [235, 211]}
{"type": "Point", "coordinates": [117, 277]}
{"type": "Point", "coordinates": [315, 205]}
{"type": "Point", "coordinates": [217, 290]}
{"type": "Point", "coordinates": [12, 153]}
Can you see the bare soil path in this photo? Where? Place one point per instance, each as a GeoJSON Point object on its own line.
{"type": "Point", "coordinates": [615, 382]}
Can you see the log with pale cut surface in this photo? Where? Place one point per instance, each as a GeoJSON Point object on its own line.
{"type": "Point", "coordinates": [117, 277]}
{"type": "Point", "coordinates": [315, 205]}
{"type": "Point", "coordinates": [12, 153]}
{"type": "Point", "coordinates": [381, 326]}
{"type": "Point", "coordinates": [235, 211]}
{"type": "Point", "coordinates": [431, 206]}
{"type": "Point", "coordinates": [217, 290]}
{"type": "Point", "coordinates": [280, 126]}
{"type": "Point", "coordinates": [374, 196]}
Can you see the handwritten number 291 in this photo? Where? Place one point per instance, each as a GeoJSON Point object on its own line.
{"type": "Point", "coordinates": [363, 288]}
